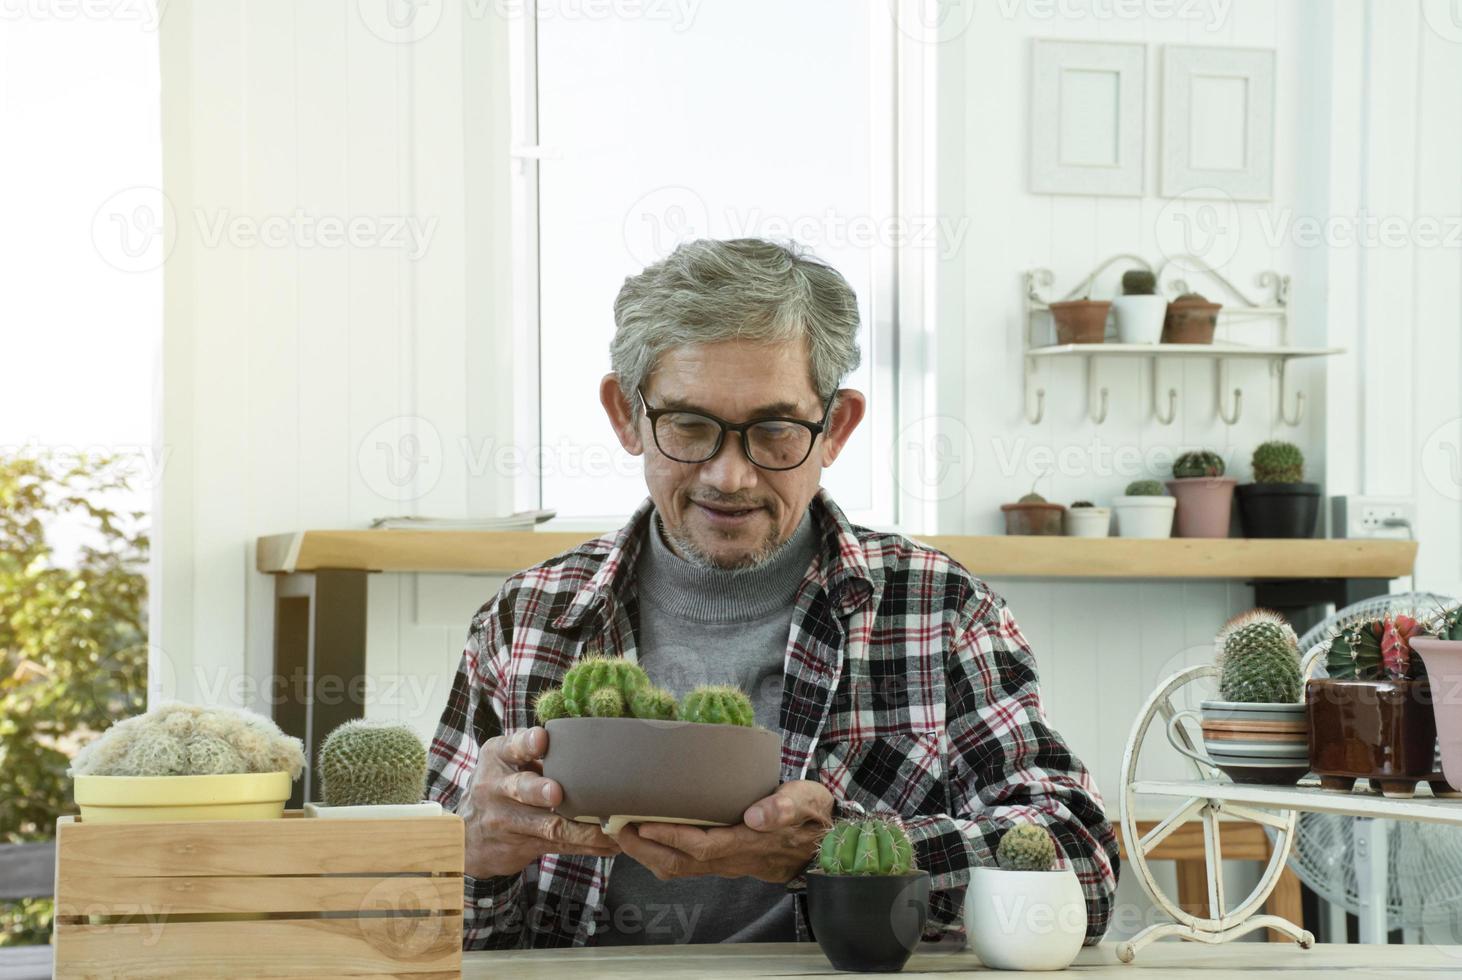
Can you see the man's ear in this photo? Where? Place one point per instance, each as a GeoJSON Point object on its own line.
{"type": "Point", "coordinates": [617, 407]}
{"type": "Point", "coordinates": [846, 414]}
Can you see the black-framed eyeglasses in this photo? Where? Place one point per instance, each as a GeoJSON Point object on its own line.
{"type": "Point", "coordinates": [772, 443]}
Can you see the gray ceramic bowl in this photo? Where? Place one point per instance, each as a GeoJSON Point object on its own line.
{"type": "Point", "coordinates": [631, 770]}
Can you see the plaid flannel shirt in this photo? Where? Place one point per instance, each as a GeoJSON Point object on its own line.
{"type": "Point", "coordinates": [907, 688]}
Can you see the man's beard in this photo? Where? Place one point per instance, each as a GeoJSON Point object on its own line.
{"type": "Point", "coordinates": [763, 556]}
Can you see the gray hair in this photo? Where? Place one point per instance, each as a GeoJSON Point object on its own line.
{"type": "Point", "coordinates": [744, 289]}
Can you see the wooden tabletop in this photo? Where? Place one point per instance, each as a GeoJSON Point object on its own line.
{"type": "Point", "coordinates": [1168, 960]}
{"type": "Point", "coordinates": [992, 557]}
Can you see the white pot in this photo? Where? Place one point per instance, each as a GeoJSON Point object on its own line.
{"type": "Point", "coordinates": [1088, 522]}
{"type": "Point", "coordinates": [384, 811]}
{"type": "Point", "coordinates": [1139, 318]}
{"type": "Point", "coordinates": [1025, 920]}
{"type": "Point", "coordinates": [1145, 517]}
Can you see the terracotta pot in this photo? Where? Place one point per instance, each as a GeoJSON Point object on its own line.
{"type": "Point", "coordinates": [1032, 518]}
{"type": "Point", "coordinates": [1443, 659]}
{"type": "Point", "coordinates": [1205, 504]}
{"type": "Point", "coordinates": [629, 770]}
{"type": "Point", "coordinates": [868, 923]}
{"type": "Point", "coordinates": [1279, 510]}
{"type": "Point", "coordinates": [1081, 321]}
{"type": "Point", "coordinates": [1382, 731]}
{"type": "Point", "coordinates": [1190, 322]}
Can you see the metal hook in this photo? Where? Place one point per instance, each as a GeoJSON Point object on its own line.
{"type": "Point", "coordinates": [1040, 394]}
{"type": "Point", "coordinates": [1172, 398]}
{"type": "Point", "coordinates": [1238, 395]}
{"type": "Point", "coordinates": [1098, 415]}
{"type": "Point", "coordinates": [1299, 397]}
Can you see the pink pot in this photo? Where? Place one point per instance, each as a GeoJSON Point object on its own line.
{"type": "Point", "coordinates": [1443, 659]}
{"type": "Point", "coordinates": [1204, 505]}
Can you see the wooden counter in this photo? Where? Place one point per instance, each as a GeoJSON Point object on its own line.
{"type": "Point", "coordinates": [1166, 960]}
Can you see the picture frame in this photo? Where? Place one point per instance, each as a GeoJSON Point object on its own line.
{"type": "Point", "coordinates": [1232, 154]}
{"type": "Point", "coordinates": [1087, 118]}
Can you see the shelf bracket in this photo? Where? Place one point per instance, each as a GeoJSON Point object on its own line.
{"type": "Point", "coordinates": [1280, 366]}
{"type": "Point", "coordinates": [1034, 418]}
{"type": "Point", "coordinates": [1229, 419]}
{"type": "Point", "coordinates": [1157, 400]}
{"type": "Point", "coordinates": [1096, 398]}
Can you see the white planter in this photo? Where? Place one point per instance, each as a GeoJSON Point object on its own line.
{"type": "Point", "coordinates": [1025, 920]}
{"type": "Point", "coordinates": [385, 811]}
{"type": "Point", "coordinates": [1088, 522]}
{"type": "Point", "coordinates": [1145, 517]}
{"type": "Point", "coordinates": [1139, 318]}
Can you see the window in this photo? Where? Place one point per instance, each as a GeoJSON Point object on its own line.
{"type": "Point", "coordinates": [648, 124]}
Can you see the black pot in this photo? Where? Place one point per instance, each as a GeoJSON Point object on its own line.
{"type": "Point", "coordinates": [868, 923]}
{"type": "Point", "coordinates": [1279, 510]}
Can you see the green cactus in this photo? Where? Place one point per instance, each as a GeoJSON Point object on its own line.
{"type": "Point", "coordinates": [366, 763]}
{"type": "Point", "coordinates": [1278, 462]}
{"type": "Point", "coordinates": [718, 705]}
{"type": "Point", "coordinates": [1138, 282]}
{"type": "Point", "coordinates": [1026, 847]}
{"type": "Point", "coordinates": [1199, 463]}
{"type": "Point", "coordinates": [550, 706]}
{"type": "Point", "coordinates": [596, 673]}
{"type": "Point", "coordinates": [1082, 503]}
{"type": "Point", "coordinates": [1259, 659]}
{"type": "Point", "coordinates": [654, 702]}
{"type": "Point", "coordinates": [1144, 488]}
{"type": "Point", "coordinates": [175, 739]}
{"type": "Point", "coordinates": [868, 846]}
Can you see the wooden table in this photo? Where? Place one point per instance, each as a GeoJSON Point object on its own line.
{"type": "Point", "coordinates": [1166, 960]}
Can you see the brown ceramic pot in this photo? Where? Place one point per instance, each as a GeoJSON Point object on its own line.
{"type": "Point", "coordinates": [1032, 518]}
{"type": "Point", "coordinates": [1081, 321]}
{"type": "Point", "coordinates": [1381, 731]}
{"type": "Point", "coordinates": [640, 770]}
{"type": "Point", "coordinates": [1190, 322]}
{"type": "Point", "coordinates": [1204, 506]}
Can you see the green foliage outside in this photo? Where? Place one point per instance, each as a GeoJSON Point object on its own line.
{"type": "Point", "coordinates": [73, 641]}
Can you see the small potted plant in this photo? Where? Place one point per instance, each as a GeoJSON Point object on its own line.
{"type": "Point", "coordinates": [1026, 913]}
{"type": "Point", "coordinates": [1144, 511]}
{"type": "Point", "coordinates": [1081, 321]}
{"type": "Point", "coordinates": [372, 769]}
{"type": "Point", "coordinates": [625, 751]}
{"type": "Point", "coordinates": [187, 762]}
{"type": "Point", "coordinates": [1205, 496]}
{"type": "Point", "coordinates": [866, 900]}
{"type": "Point", "coordinates": [1086, 520]}
{"type": "Point", "coordinates": [1372, 718]}
{"type": "Point", "coordinates": [1255, 730]}
{"type": "Point", "coordinates": [1032, 514]}
{"type": "Point", "coordinates": [1279, 504]}
{"type": "Point", "coordinates": [1139, 311]}
{"type": "Point", "coordinates": [1191, 319]}
{"type": "Point", "coordinates": [1442, 652]}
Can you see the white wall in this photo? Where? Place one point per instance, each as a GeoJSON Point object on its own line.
{"type": "Point", "coordinates": [282, 364]}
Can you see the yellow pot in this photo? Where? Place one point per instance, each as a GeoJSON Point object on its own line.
{"type": "Point", "coordinates": [133, 799]}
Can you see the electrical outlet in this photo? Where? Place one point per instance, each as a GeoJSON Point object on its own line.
{"type": "Point", "coordinates": [1372, 517]}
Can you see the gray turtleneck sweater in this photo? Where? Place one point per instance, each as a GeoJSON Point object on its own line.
{"type": "Point", "coordinates": [709, 626]}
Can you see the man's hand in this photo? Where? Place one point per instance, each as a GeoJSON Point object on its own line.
{"type": "Point", "coordinates": [775, 841]}
{"type": "Point", "coordinates": [507, 810]}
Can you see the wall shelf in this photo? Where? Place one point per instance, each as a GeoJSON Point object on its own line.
{"type": "Point", "coordinates": [1240, 307]}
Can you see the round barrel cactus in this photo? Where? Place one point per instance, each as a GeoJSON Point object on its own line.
{"type": "Point", "coordinates": [1026, 847]}
{"type": "Point", "coordinates": [593, 674]}
{"type": "Point", "coordinates": [367, 763]}
{"type": "Point", "coordinates": [654, 703]}
{"type": "Point", "coordinates": [869, 846]}
{"type": "Point", "coordinates": [1199, 463]}
{"type": "Point", "coordinates": [1278, 462]}
{"type": "Point", "coordinates": [1144, 488]}
{"type": "Point", "coordinates": [718, 704]}
{"type": "Point", "coordinates": [1259, 659]}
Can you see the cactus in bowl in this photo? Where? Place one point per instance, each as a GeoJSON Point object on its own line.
{"type": "Point", "coordinates": [1278, 462]}
{"type": "Point", "coordinates": [866, 846]}
{"type": "Point", "coordinates": [1259, 659]}
{"type": "Point", "coordinates": [1198, 463]}
{"type": "Point", "coordinates": [605, 687]}
{"type": "Point", "coordinates": [718, 704]}
{"type": "Point", "coordinates": [1026, 847]}
{"type": "Point", "coordinates": [1144, 488]}
{"type": "Point", "coordinates": [368, 763]}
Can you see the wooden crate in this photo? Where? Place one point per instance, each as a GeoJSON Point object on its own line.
{"type": "Point", "coordinates": [296, 897]}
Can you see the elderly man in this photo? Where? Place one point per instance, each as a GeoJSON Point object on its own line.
{"type": "Point", "coordinates": [897, 681]}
